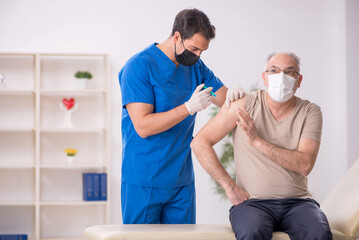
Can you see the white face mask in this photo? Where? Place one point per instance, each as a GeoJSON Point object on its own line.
{"type": "Point", "coordinates": [280, 87]}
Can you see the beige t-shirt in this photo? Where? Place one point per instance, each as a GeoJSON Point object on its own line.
{"type": "Point", "coordinates": [257, 174]}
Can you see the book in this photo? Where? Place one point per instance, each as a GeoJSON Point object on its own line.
{"type": "Point", "coordinates": [87, 184]}
{"type": "Point", "coordinates": [96, 186]}
{"type": "Point", "coordinates": [103, 187]}
{"type": "Point", "coordinates": [13, 237]}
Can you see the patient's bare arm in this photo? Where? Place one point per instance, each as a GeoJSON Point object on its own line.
{"type": "Point", "coordinates": [202, 145]}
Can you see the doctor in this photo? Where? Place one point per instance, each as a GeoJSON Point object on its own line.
{"type": "Point", "coordinates": [162, 90]}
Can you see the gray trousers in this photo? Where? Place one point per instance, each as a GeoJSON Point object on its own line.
{"type": "Point", "coordinates": [301, 219]}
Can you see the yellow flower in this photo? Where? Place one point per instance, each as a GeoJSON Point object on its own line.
{"type": "Point", "coordinates": [70, 151]}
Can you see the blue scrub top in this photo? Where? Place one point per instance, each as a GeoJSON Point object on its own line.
{"type": "Point", "coordinates": [164, 159]}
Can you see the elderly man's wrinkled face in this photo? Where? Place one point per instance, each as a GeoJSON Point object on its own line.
{"type": "Point", "coordinates": [283, 63]}
{"type": "Point", "coordinates": [282, 77]}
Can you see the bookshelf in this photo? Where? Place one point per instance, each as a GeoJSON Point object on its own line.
{"type": "Point", "coordinates": [41, 193]}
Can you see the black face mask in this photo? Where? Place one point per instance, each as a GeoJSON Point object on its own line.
{"type": "Point", "coordinates": [187, 58]}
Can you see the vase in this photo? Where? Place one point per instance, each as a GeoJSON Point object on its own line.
{"type": "Point", "coordinates": [67, 120]}
{"type": "Point", "coordinates": [70, 159]}
{"type": "Point", "coordinates": [82, 83]}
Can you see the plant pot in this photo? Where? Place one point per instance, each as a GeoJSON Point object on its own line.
{"type": "Point", "coordinates": [70, 159]}
{"type": "Point", "coordinates": [82, 83]}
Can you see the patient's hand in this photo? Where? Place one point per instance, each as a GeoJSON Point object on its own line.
{"type": "Point", "coordinates": [236, 194]}
{"type": "Point", "coordinates": [246, 124]}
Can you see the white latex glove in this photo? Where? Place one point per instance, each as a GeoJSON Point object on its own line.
{"type": "Point", "coordinates": [199, 100]}
{"type": "Point", "coordinates": [233, 94]}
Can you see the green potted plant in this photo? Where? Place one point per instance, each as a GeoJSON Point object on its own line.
{"type": "Point", "coordinates": [82, 78]}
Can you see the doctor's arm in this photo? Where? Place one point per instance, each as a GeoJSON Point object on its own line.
{"type": "Point", "coordinates": [220, 96]}
{"type": "Point", "coordinates": [300, 161]}
{"type": "Point", "coordinates": [202, 145]}
{"type": "Point", "coordinates": [148, 123]}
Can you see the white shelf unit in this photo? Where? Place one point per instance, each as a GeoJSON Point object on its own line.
{"type": "Point", "coordinates": [40, 193]}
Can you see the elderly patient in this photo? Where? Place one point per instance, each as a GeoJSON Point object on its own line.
{"type": "Point", "coordinates": [276, 139]}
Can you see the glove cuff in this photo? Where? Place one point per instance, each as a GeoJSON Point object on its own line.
{"type": "Point", "coordinates": [188, 108]}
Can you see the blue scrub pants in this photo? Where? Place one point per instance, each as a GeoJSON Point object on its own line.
{"type": "Point", "coordinates": [301, 219]}
{"type": "Point", "coordinates": [141, 205]}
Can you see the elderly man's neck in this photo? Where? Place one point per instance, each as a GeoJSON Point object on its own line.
{"type": "Point", "coordinates": [281, 110]}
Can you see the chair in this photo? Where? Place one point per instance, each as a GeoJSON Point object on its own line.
{"type": "Point", "coordinates": [342, 204]}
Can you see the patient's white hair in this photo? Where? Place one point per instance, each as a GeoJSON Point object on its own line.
{"type": "Point", "coordinates": [290, 54]}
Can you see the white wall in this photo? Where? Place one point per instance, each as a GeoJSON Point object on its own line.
{"type": "Point", "coordinates": [246, 32]}
{"type": "Point", "coordinates": [352, 50]}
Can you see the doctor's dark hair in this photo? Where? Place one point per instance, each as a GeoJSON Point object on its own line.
{"type": "Point", "coordinates": [188, 22]}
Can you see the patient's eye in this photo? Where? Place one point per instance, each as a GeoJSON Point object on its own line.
{"type": "Point", "coordinates": [289, 72]}
{"type": "Point", "coordinates": [273, 70]}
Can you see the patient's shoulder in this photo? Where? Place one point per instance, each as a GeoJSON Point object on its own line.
{"type": "Point", "coordinates": [248, 100]}
{"type": "Point", "coordinates": [253, 97]}
{"type": "Point", "coordinates": [235, 105]}
{"type": "Point", "coordinates": [238, 103]}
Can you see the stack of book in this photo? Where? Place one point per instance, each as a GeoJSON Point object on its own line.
{"type": "Point", "coordinates": [94, 186]}
{"type": "Point", "coordinates": [13, 237]}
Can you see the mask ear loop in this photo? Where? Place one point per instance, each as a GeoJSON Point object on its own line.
{"type": "Point", "coordinates": [176, 50]}
{"type": "Point", "coordinates": [297, 81]}
{"type": "Point", "coordinates": [176, 44]}
{"type": "Point", "coordinates": [183, 44]}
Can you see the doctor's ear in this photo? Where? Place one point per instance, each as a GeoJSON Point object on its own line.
{"type": "Point", "coordinates": [176, 37]}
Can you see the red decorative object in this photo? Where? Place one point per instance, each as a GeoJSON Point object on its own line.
{"type": "Point", "coordinates": [69, 103]}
